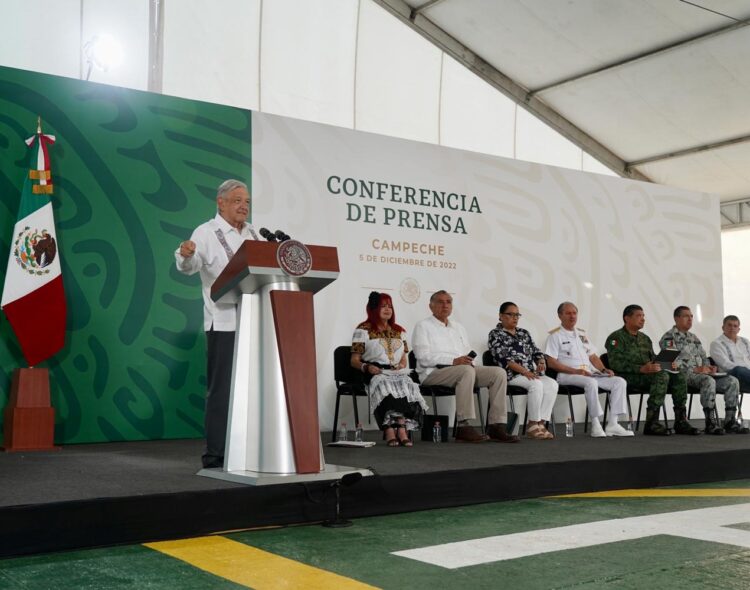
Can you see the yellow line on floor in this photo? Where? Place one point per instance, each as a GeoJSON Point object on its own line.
{"type": "Point", "coordinates": [662, 493]}
{"type": "Point", "coordinates": [252, 567]}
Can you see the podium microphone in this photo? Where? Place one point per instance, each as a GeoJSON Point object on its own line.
{"type": "Point", "coordinates": [281, 236]}
{"type": "Point", "coordinates": [267, 234]}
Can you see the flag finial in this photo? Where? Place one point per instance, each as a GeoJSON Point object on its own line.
{"type": "Point", "coordinates": [38, 124]}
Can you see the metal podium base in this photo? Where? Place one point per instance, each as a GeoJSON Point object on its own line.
{"type": "Point", "coordinates": [254, 478]}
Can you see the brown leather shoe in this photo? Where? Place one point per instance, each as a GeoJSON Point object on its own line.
{"type": "Point", "coordinates": [498, 433]}
{"type": "Point", "coordinates": [469, 434]}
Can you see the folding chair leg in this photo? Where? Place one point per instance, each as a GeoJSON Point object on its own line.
{"type": "Point", "coordinates": [570, 406]}
{"type": "Point", "coordinates": [356, 411]}
{"type": "Point", "coordinates": [690, 405]}
{"type": "Point", "coordinates": [434, 405]}
{"type": "Point", "coordinates": [334, 434]}
{"type": "Point", "coordinates": [630, 409]}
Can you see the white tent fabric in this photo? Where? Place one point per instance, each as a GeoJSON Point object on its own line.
{"type": "Point", "coordinates": [341, 62]}
{"type": "Point", "coordinates": [351, 63]}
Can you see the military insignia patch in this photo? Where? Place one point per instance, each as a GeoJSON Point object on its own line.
{"type": "Point", "coordinates": [613, 342]}
{"type": "Point", "coordinates": [34, 250]}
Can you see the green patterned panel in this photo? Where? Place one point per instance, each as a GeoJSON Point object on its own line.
{"type": "Point", "coordinates": [134, 173]}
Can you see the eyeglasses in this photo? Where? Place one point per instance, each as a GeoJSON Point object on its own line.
{"type": "Point", "coordinates": [512, 315]}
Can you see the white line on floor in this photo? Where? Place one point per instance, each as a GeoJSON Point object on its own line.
{"type": "Point", "coordinates": [706, 524]}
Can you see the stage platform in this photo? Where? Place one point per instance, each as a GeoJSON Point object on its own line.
{"type": "Point", "coordinates": [103, 494]}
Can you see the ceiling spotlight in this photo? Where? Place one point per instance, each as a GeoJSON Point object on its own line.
{"type": "Point", "coordinates": [102, 52]}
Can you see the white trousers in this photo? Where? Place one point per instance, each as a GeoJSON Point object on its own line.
{"type": "Point", "coordinates": [542, 394]}
{"type": "Point", "coordinates": [617, 386]}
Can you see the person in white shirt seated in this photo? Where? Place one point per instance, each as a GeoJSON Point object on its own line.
{"type": "Point", "coordinates": [731, 353]}
{"type": "Point", "coordinates": [570, 352]}
{"type": "Point", "coordinates": [380, 351]}
{"type": "Point", "coordinates": [207, 252]}
{"type": "Point", "coordinates": [441, 347]}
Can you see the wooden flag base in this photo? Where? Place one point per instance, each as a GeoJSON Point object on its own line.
{"type": "Point", "coordinates": [29, 423]}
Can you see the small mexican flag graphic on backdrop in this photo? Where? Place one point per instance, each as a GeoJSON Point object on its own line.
{"type": "Point", "coordinates": [33, 296]}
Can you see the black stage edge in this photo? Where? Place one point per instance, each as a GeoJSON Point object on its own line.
{"type": "Point", "coordinates": [39, 512]}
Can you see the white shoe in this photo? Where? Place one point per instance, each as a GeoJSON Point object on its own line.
{"type": "Point", "coordinates": [596, 430]}
{"type": "Point", "coordinates": [616, 430]}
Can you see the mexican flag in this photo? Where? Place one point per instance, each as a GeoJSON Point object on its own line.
{"type": "Point", "coordinates": [33, 296]}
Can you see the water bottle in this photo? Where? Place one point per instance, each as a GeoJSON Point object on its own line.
{"type": "Point", "coordinates": [343, 435]}
{"type": "Point", "coordinates": [569, 428]}
{"type": "Point", "coordinates": [359, 434]}
{"type": "Point", "coordinates": [437, 432]}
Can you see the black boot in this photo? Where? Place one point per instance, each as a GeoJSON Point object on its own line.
{"type": "Point", "coordinates": [681, 425]}
{"type": "Point", "coordinates": [652, 425]}
{"type": "Point", "coordinates": [731, 425]}
{"type": "Point", "coordinates": [712, 426]}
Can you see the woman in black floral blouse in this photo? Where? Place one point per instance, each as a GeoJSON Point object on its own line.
{"type": "Point", "coordinates": [515, 351]}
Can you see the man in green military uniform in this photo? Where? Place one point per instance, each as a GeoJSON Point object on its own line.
{"type": "Point", "coordinates": [631, 356]}
{"type": "Point", "coordinates": [693, 362]}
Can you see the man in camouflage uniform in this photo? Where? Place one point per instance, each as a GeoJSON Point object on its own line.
{"type": "Point", "coordinates": [693, 361]}
{"type": "Point", "coordinates": [631, 356]}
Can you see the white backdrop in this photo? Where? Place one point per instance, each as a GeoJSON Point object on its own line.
{"type": "Point", "coordinates": [544, 235]}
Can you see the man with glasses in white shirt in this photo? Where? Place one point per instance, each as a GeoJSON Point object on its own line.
{"type": "Point", "coordinates": [441, 347]}
{"type": "Point", "coordinates": [570, 352]}
{"type": "Point", "coordinates": [207, 252]}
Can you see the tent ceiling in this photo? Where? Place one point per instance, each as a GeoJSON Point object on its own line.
{"type": "Point", "coordinates": [653, 88]}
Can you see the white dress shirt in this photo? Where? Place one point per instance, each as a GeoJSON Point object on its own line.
{"type": "Point", "coordinates": [728, 354]}
{"type": "Point", "coordinates": [435, 343]}
{"type": "Point", "coordinates": [209, 259]}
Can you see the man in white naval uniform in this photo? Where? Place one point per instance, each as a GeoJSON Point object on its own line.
{"type": "Point", "coordinates": [571, 354]}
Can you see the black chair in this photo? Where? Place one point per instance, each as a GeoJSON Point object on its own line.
{"type": "Point", "coordinates": [436, 391]}
{"type": "Point", "coordinates": [633, 391]}
{"type": "Point", "coordinates": [349, 381]}
{"type": "Point", "coordinates": [570, 391]}
{"type": "Point", "coordinates": [513, 390]}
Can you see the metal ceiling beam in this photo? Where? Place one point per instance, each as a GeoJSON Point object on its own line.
{"type": "Point", "coordinates": [643, 56]}
{"type": "Point", "coordinates": [508, 86]}
{"type": "Point", "coordinates": [426, 5]}
{"type": "Point", "coordinates": [735, 212]}
{"type": "Point", "coordinates": [691, 150]}
{"type": "Point", "coordinates": [155, 45]}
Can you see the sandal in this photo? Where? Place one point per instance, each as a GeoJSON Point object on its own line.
{"type": "Point", "coordinates": [390, 441]}
{"type": "Point", "coordinates": [539, 432]}
{"type": "Point", "coordinates": [405, 441]}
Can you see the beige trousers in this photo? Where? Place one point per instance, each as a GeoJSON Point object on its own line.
{"type": "Point", "coordinates": [464, 378]}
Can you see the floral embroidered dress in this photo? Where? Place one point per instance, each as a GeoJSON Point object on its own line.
{"type": "Point", "coordinates": [393, 395]}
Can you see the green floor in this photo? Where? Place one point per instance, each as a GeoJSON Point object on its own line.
{"type": "Point", "coordinates": [363, 552]}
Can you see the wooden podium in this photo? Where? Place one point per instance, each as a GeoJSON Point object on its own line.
{"type": "Point", "coordinates": [273, 434]}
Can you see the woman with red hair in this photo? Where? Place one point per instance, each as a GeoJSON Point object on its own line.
{"type": "Point", "coordinates": [379, 350]}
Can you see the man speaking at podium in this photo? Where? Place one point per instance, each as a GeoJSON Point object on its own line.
{"type": "Point", "coordinates": [207, 252]}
